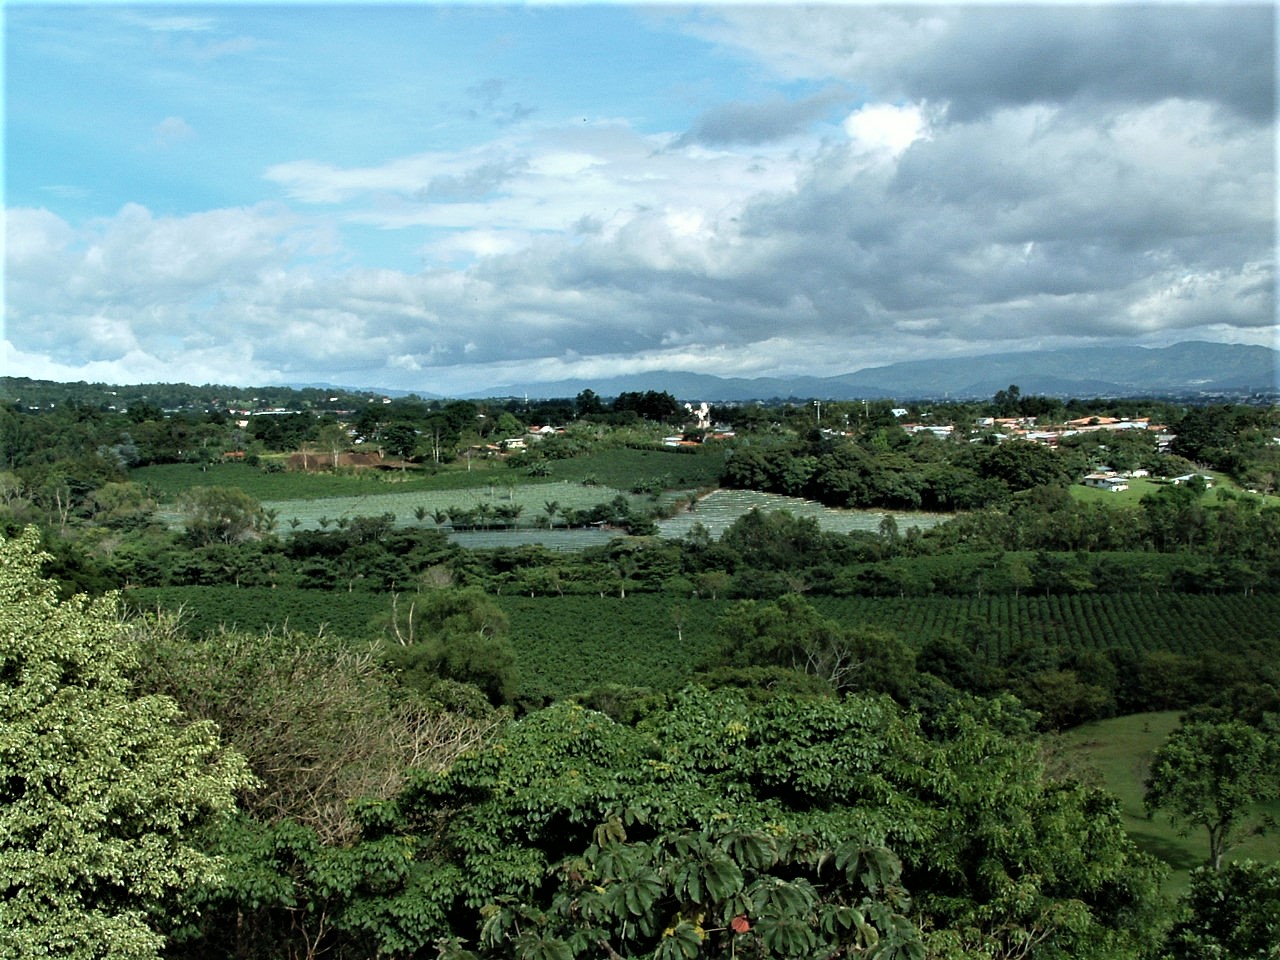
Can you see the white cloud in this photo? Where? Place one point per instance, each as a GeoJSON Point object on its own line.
{"type": "Point", "coordinates": [1224, 296]}
{"type": "Point", "coordinates": [556, 178]}
{"type": "Point", "coordinates": [175, 23]}
{"type": "Point", "coordinates": [886, 127]}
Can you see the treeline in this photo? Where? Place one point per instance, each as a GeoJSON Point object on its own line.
{"type": "Point", "coordinates": [63, 428]}
{"type": "Point", "coordinates": [1045, 543]}
{"type": "Point", "coordinates": [885, 467]}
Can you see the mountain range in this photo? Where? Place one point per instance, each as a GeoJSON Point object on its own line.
{"type": "Point", "coordinates": [1193, 368]}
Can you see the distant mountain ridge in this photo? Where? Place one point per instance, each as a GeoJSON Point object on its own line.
{"type": "Point", "coordinates": [1183, 369]}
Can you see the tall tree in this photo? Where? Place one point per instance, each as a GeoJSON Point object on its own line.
{"type": "Point", "coordinates": [1212, 775]}
{"type": "Point", "coordinates": [221, 515]}
{"type": "Point", "coordinates": [101, 790]}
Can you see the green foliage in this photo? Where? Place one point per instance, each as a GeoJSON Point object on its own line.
{"type": "Point", "coordinates": [101, 790]}
{"type": "Point", "coordinates": [660, 407]}
{"type": "Point", "coordinates": [791, 633]}
{"type": "Point", "coordinates": [1212, 775]}
{"type": "Point", "coordinates": [774, 540]}
{"type": "Point", "coordinates": [221, 515]}
{"type": "Point", "coordinates": [283, 893]}
{"type": "Point", "coordinates": [316, 717]}
{"type": "Point", "coordinates": [457, 635]}
{"type": "Point", "coordinates": [1229, 914]}
{"type": "Point", "coordinates": [1047, 865]}
{"type": "Point", "coordinates": [1022, 465]}
{"type": "Point", "coordinates": [1164, 650]}
{"type": "Point", "coordinates": [583, 836]}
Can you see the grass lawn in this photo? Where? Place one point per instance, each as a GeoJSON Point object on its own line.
{"type": "Point", "coordinates": [1119, 751]}
{"type": "Point", "coordinates": [1139, 487]}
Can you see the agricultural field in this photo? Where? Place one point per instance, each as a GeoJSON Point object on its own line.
{"type": "Point", "coordinates": [627, 467]}
{"type": "Point", "coordinates": [1116, 754]}
{"type": "Point", "coordinates": [618, 467]}
{"type": "Point", "coordinates": [168, 481]}
{"type": "Point", "coordinates": [720, 508]}
{"type": "Point", "coordinates": [564, 644]}
{"type": "Point", "coordinates": [530, 499]}
{"type": "Point", "coordinates": [646, 478]}
{"type": "Point", "coordinates": [573, 643]}
{"type": "Point", "coordinates": [357, 616]}
{"type": "Point", "coordinates": [1177, 623]}
{"type": "Point", "coordinates": [302, 501]}
{"type": "Point", "coordinates": [570, 643]}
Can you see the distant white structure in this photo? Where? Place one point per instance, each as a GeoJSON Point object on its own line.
{"type": "Point", "coordinates": [1106, 481]}
{"type": "Point", "coordinates": [941, 431]}
{"type": "Point", "coordinates": [702, 414]}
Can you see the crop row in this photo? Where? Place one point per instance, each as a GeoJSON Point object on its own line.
{"type": "Point", "coordinates": [571, 643]}
{"type": "Point", "coordinates": [1135, 623]}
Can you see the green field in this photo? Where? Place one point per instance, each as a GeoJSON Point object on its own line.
{"type": "Point", "coordinates": [573, 643]}
{"type": "Point", "coordinates": [530, 498]}
{"type": "Point", "coordinates": [564, 644]}
{"type": "Point", "coordinates": [1117, 753]}
{"type": "Point", "coordinates": [169, 480]}
{"type": "Point", "coordinates": [569, 643]}
{"type": "Point", "coordinates": [617, 467]}
{"type": "Point", "coordinates": [1139, 487]}
{"type": "Point", "coordinates": [1139, 623]}
{"type": "Point", "coordinates": [300, 500]}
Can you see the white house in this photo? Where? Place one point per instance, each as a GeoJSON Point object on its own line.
{"type": "Point", "coordinates": [1106, 481]}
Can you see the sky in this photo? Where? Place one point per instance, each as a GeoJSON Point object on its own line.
{"type": "Point", "coordinates": [444, 198]}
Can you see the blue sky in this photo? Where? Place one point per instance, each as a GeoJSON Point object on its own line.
{"type": "Point", "coordinates": [447, 197]}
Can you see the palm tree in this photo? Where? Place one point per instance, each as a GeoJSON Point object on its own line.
{"type": "Point", "coordinates": [270, 516]}
{"type": "Point", "coordinates": [461, 517]}
{"type": "Point", "coordinates": [508, 512]}
{"type": "Point", "coordinates": [551, 508]}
